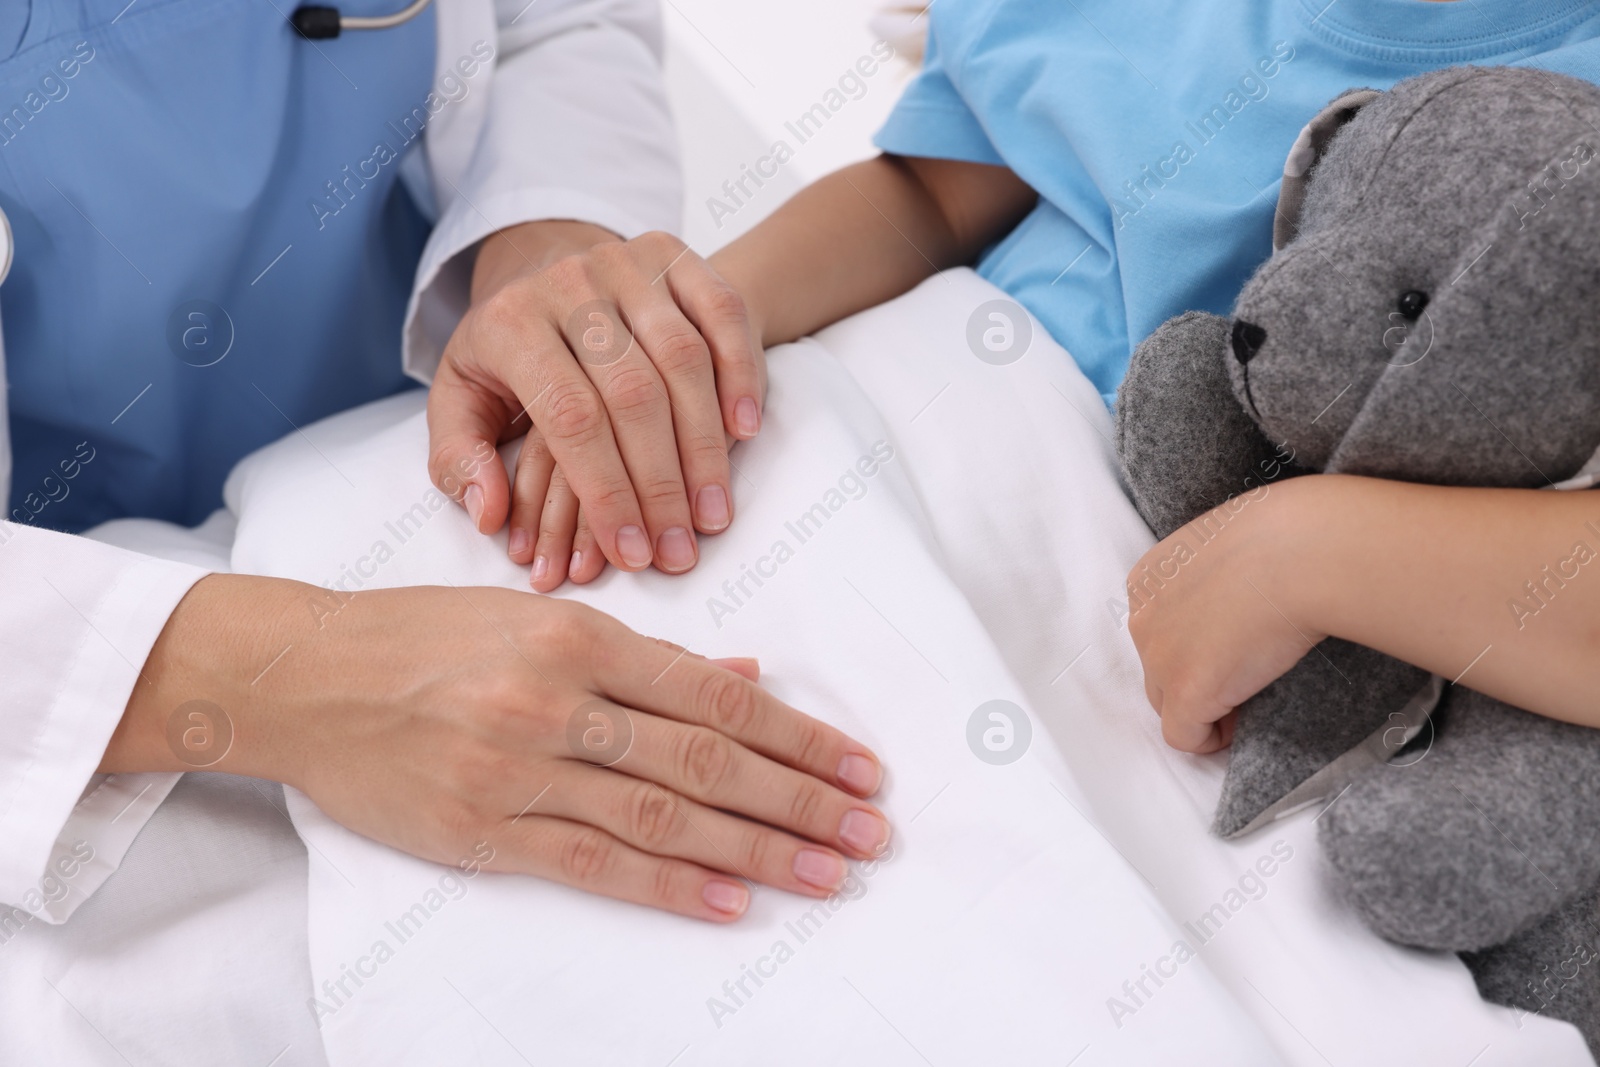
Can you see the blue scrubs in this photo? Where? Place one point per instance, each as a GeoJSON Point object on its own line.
{"type": "Point", "coordinates": [1155, 134]}
{"type": "Point", "coordinates": [213, 245]}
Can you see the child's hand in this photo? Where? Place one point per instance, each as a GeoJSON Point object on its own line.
{"type": "Point", "coordinates": [554, 540]}
{"type": "Point", "coordinates": [1215, 610]}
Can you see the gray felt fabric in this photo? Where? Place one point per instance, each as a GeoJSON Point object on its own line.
{"type": "Point", "coordinates": [1497, 383]}
{"type": "Point", "coordinates": [1478, 836]}
{"type": "Point", "coordinates": [1550, 969]}
{"type": "Point", "coordinates": [1185, 446]}
{"type": "Point", "coordinates": [1310, 146]}
{"type": "Point", "coordinates": [1335, 697]}
{"type": "Point", "coordinates": [1476, 191]}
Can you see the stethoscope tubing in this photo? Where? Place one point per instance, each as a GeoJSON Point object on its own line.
{"type": "Point", "coordinates": [383, 22]}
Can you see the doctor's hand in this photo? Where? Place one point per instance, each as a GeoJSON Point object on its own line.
{"type": "Point", "coordinates": [635, 364]}
{"type": "Point", "coordinates": [520, 733]}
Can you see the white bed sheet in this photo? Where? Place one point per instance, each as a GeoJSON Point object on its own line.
{"type": "Point", "coordinates": [983, 562]}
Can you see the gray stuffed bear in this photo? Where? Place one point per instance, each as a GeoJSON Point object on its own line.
{"type": "Point", "coordinates": [1431, 313]}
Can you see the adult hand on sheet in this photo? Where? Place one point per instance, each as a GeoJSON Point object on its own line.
{"type": "Point", "coordinates": [1217, 611]}
{"type": "Point", "coordinates": [454, 723]}
{"type": "Point", "coordinates": [635, 362]}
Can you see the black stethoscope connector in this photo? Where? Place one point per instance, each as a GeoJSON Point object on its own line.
{"type": "Point", "coordinates": [315, 22]}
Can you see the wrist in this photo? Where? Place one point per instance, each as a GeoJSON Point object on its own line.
{"type": "Point", "coordinates": [1318, 551]}
{"type": "Point", "coordinates": [200, 701]}
{"type": "Point", "coordinates": [733, 267]}
{"type": "Point", "coordinates": [531, 246]}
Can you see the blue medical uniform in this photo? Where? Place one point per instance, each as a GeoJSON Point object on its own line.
{"type": "Point", "coordinates": [1155, 133]}
{"type": "Point", "coordinates": [213, 244]}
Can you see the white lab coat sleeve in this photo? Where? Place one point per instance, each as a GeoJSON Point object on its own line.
{"type": "Point", "coordinates": [77, 621]}
{"type": "Point", "coordinates": [576, 127]}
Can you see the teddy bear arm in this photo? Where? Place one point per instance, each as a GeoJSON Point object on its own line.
{"type": "Point", "coordinates": [1186, 443]}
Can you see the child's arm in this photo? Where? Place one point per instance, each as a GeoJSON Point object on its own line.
{"type": "Point", "coordinates": [1496, 588]}
{"type": "Point", "coordinates": [866, 234]}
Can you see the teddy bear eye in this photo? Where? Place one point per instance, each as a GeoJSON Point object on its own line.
{"type": "Point", "coordinates": [1412, 301]}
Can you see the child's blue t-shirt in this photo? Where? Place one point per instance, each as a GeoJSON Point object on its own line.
{"type": "Point", "coordinates": [1155, 134]}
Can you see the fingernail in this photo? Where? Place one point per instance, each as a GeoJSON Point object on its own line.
{"type": "Point", "coordinates": [746, 418]}
{"type": "Point", "coordinates": [675, 550]}
{"type": "Point", "coordinates": [474, 501]}
{"type": "Point", "coordinates": [575, 566]}
{"type": "Point", "coordinates": [521, 541]}
{"type": "Point", "coordinates": [821, 869]}
{"type": "Point", "coordinates": [860, 774]}
{"type": "Point", "coordinates": [633, 546]}
{"type": "Point", "coordinates": [730, 898]}
{"type": "Point", "coordinates": [748, 666]}
{"type": "Point", "coordinates": [711, 506]}
{"type": "Point", "coordinates": [541, 569]}
{"type": "Point", "coordinates": [863, 831]}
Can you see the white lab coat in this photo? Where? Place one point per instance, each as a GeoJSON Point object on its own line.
{"type": "Point", "coordinates": [573, 124]}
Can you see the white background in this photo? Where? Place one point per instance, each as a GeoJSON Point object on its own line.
{"type": "Point", "coordinates": [738, 69]}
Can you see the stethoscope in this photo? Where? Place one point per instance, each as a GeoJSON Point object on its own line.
{"type": "Point", "coordinates": [317, 23]}
{"type": "Point", "coordinates": [313, 23]}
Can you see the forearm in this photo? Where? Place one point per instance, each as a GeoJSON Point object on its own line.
{"type": "Point", "coordinates": [866, 234]}
{"type": "Point", "coordinates": [1497, 588]}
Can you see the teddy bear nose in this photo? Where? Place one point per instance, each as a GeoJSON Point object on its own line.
{"type": "Point", "coordinates": [1247, 340]}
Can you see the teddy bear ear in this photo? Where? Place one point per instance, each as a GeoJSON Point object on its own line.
{"type": "Point", "coordinates": [1308, 148]}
